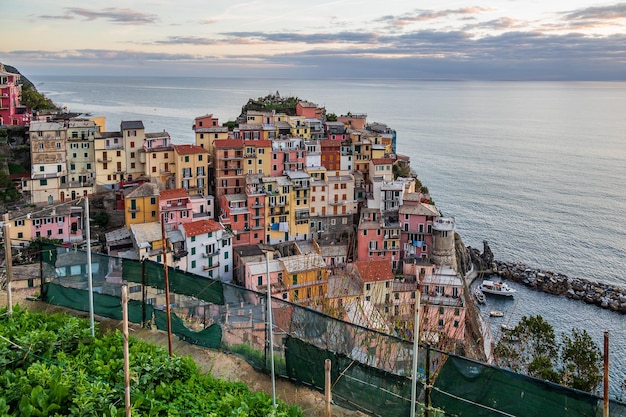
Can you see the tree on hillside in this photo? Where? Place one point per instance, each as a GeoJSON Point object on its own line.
{"type": "Point", "coordinates": [531, 348]}
{"type": "Point", "coordinates": [582, 361]}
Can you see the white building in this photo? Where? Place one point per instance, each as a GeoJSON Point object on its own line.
{"type": "Point", "coordinates": [209, 249]}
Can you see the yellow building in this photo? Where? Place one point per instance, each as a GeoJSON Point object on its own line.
{"type": "Point", "coordinates": [191, 168]}
{"type": "Point", "coordinates": [159, 159]}
{"type": "Point", "coordinates": [305, 278]}
{"type": "Point", "coordinates": [141, 205]}
{"type": "Point", "coordinates": [80, 159]}
{"type": "Point", "coordinates": [110, 158]}
{"type": "Point", "coordinates": [208, 130]}
{"type": "Point", "coordinates": [300, 128]}
{"type": "Point", "coordinates": [257, 156]}
{"type": "Point", "coordinates": [134, 135]}
{"type": "Point", "coordinates": [300, 203]}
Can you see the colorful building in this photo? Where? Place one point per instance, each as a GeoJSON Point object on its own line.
{"type": "Point", "coordinates": [141, 204]}
{"type": "Point", "coordinates": [48, 148]}
{"type": "Point", "coordinates": [80, 159]}
{"type": "Point", "coordinates": [12, 111]}
{"type": "Point", "coordinates": [192, 168]}
{"type": "Point", "coordinates": [209, 249]}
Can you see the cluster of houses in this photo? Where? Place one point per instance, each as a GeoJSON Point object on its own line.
{"type": "Point", "coordinates": [314, 205]}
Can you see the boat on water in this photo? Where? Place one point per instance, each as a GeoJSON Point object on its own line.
{"type": "Point", "coordinates": [496, 313]}
{"type": "Point", "coordinates": [479, 296]}
{"type": "Point", "coordinates": [497, 288]}
{"type": "Point", "coordinates": [507, 327]}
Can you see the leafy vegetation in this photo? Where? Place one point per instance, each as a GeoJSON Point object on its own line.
{"type": "Point", "coordinates": [8, 192]}
{"type": "Point", "coordinates": [271, 102]}
{"type": "Point", "coordinates": [52, 366]}
{"type": "Point", "coordinates": [531, 348]}
{"type": "Point", "coordinates": [34, 100]}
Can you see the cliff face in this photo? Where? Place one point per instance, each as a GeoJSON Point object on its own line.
{"type": "Point", "coordinates": [484, 261]}
{"type": "Point", "coordinates": [463, 258]}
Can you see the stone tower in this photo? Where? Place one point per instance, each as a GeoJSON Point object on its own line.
{"type": "Point", "coordinates": [443, 250]}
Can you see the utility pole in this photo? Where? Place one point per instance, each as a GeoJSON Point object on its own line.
{"type": "Point", "coordinates": [606, 375]}
{"type": "Point", "coordinates": [89, 272]}
{"type": "Point", "coordinates": [8, 261]}
{"type": "Point", "coordinates": [416, 338]}
{"type": "Point", "coordinates": [270, 326]}
{"type": "Point", "coordinates": [167, 285]}
{"type": "Point", "coordinates": [126, 352]}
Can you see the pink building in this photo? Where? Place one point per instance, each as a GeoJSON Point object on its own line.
{"type": "Point", "coordinates": [378, 237]}
{"type": "Point", "coordinates": [12, 112]}
{"type": "Point", "coordinates": [255, 276]}
{"type": "Point", "coordinates": [177, 206]}
{"type": "Point", "coordinates": [234, 213]}
{"type": "Point", "coordinates": [206, 121]}
{"type": "Point", "coordinates": [287, 155]}
{"type": "Point", "coordinates": [307, 109]}
{"type": "Point", "coordinates": [416, 224]}
{"type": "Point", "coordinates": [62, 222]}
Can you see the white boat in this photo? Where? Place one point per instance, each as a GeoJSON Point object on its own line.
{"type": "Point", "coordinates": [480, 297]}
{"type": "Point", "coordinates": [496, 313]}
{"type": "Point", "coordinates": [497, 288]}
{"type": "Point", "coordinates": [507, 327]}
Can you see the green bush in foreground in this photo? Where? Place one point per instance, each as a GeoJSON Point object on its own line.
{"type": "Point", "coordinates": [51, 366]}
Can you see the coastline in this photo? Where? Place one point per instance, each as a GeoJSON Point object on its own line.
{"type": "Point", "coordinates": [609, 297]}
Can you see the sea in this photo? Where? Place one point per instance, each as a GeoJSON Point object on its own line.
{"type": "Point", "coordinates": [536, 169]}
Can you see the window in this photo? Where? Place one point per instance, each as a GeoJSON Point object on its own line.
{"type": "Point", "coordinates": [152, 200]}
{"type": "Point", "coordinates": [368, 286]}
{"type": "Point", "coordinates": [456, 323]}
{"type": "Point", "coordinates": [226, 255]}
{"type": "Point", "coordinates": [457, 312]}
{"type": "Point", "coordinates": [88, 166]}
{"type": "Point", "coordinates": [368, 298]}
{"type": "Point", "coordinates": [43, 182]}
{"type": "Point", "coordinates": [193, 264]}
{"type": "Point", "coordinates": [186, 158]}
{"type": "Point", "coordinates": [260, 280]}
{"type": "Point", "coordinates": [133, 215]}
{"type": "Point", "coordinates": [193, 251]}
{"type": "Point", "coordinates": [119, 153]}
{"type": "Point", "coordinates": [153, 169]}
{"type": "Point", "coordinates": [440, 322]}
{"type": "Point", "coordinates": [193, 238]}
{"type": "Point", "coordinates": [20, 235]}
{"type": "Point", "coordinates": [225, 268]}
{"type": "Point", "coordinates": [132, 145]}
{"type": "Point", "coordinates": [441, 309]}
{"type": "Point", "coordinates": [60, 231]}
{"type": "Point", "coordinates": [132, 154]}
{"type": "Point", "coordinates": [294, 279]}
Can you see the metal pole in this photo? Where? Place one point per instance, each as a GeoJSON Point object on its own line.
{"type": "Point", "coordinates": [427, 393]}
{"type": "Point", "coordinates": [143, 293]}
{"type": "Point", "coordinates": [89, 272]}
{"type": "Point", "coordinates": [416, 337]}
{"type": "Point", "coordinates": [270, 325]}
{"type": "Point", "coordinates": [41, 289]}
{"type": "Point", "coordinates": [8, 261]}
{"type": "Point", "coordinates": [606, 375]}
{"type": "Point", "coordinates": [126, 354]}
{"type": "Point", "coordinates": [167, 286]}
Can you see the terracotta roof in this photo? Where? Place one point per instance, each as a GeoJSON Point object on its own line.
{"type": "Point", "coordinates": [201, 226]}
{"type": "Point", "coordinates": [257, 143]}
{"type": "Point", "coordinates": [228, 143]}
{"type": "Point", "coordinates": [374, 271]}
{"type": "Point", "coordinates": [175, 193]}
{"type": "Point", "coordinates": [380, 161]}
{"type": "Point", "coordinates": [189, 149]}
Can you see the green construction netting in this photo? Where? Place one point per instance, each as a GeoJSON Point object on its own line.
{"type": "Point", "coordinates": [49, 253]}
{"type": "Point", "coordinates": [211, 337]}
{"type": "Point", "coordinates": [370, 389]}
{"type": "Point", "coordinates": [498, 392]}
{"type": "Point", "coordinates": [181, 282]}
{"type": "Point", "coordinates": [103, 305]}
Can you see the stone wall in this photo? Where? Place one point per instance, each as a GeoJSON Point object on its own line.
{"type": "Point", "coordinates": [603, 295]}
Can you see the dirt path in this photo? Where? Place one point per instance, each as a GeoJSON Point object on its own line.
{"type": "Point", "coordinates": [221, 365]}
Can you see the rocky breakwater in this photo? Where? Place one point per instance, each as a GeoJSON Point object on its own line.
{"type": "Point", "coordinates": [603, 295]}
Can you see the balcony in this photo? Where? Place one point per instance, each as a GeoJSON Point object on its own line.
{"type": "Point", "coordinates": [104, 160]}
{"type": "Point", "coordinates": [209, 267]}
{"type": "Point", "coordinates": [234, 157]}
{"type": "Point", "coordinates": [257, 216]}
{"type": "Point", "coordinates": [336, 203]}
{"type": "Point", "coordinates": [133, 210]}
{"type": "Point", "coordinates": [210, 255]}
{"type": "Point", "coordinates": [114, 146]}
{"type": "Point", "coordinates": [259, 227]}
{"type": "Point", "coordinates": [165, 171]}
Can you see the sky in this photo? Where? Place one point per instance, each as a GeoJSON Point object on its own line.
{"type": "Point", "coordinates": [427, 39]}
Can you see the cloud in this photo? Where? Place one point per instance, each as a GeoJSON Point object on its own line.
{"type": "Point", "coordinates": [425, 15]}
{"type": "Point", "coordinates": [612, 12]}
{"type": "Point", "coordinates": [307, 38]}
{"type": "Point", "coordinates": [111, 14]}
